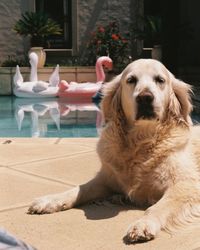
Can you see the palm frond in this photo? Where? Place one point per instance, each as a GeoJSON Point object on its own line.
{"type": "Point", "coordinates": [37, 24]}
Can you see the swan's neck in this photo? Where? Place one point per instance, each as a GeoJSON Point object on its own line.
{"type": "Point", "coordinates": [100, 72]}
{"type": "Point", "coordinates": [33, 73]}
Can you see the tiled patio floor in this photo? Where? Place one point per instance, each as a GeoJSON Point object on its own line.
{"type": "Point", "coordinates": [34, 167]}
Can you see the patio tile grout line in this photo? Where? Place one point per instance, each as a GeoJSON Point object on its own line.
{"type": "Point", "coordinates": [57, 142]}
{"type": "Point", "coordinates": [46, 159]}
{"type": "Point", "coordinates": [42, 177]}
{"type": "Point", "coordinates": [13, 208]}
{"type": "Point", "coordinates": [80, 144]}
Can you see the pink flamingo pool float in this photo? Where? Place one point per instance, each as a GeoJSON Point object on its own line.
{"type": "Point", "coordinates": [86, 90]}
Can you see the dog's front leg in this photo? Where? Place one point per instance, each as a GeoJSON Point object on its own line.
{"type": "Point", "coordinates": [178, 205]}
{"type": "Point", "coordinates": [96, 188]}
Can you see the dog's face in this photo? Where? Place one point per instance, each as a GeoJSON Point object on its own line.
{"type": "Point", "coordinates": [147, 90]}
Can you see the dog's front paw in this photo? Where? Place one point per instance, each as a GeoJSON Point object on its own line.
{"type": "Point", "coordinates": [46, 205]}
{"type": "Point", "coordinates": [142, 230]}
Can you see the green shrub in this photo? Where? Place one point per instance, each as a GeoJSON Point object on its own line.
{"type": "Point", "coordinates": [37, 26]}
{"type": "Point", "coordinates": [108, 41]}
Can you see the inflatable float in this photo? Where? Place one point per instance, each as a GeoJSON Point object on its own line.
{"type": "Point", "coordinates": [86, 90]}
{"type": "Point", "coordinates": [36, 108]}
{"type": "Point", "coordinates": [67, 107]}
{"type": "Point", "coordinates": [34, 87]}
{"type": "Point", "coordinates": [34, 115]}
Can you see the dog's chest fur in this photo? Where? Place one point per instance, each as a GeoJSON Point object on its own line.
{"type": "Point", "coordinates": [138, 161]}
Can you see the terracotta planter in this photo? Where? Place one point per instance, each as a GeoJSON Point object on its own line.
{"type": "Point", "coordinates": [41, 55]}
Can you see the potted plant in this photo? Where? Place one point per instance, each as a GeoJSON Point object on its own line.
{"type": "Point", "coordinates": [154, 28]}
{"type": "Point", "coordinates": [37, 26]}
{"type": "Point", "coordinates": [152, 32]}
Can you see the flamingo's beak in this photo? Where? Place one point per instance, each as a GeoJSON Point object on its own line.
{"type": "Point", "coordinates": [63, 85]}
{"type": "Point", "coordinates": [108, 66]}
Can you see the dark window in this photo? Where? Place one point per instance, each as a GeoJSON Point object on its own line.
{"type": "Point", "coordinates": [151, 8]}
{"type": "Point", "coordinates": [60, 11]}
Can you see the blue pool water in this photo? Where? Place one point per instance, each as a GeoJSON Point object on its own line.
{"type": "Point", "coordinates": [49, 117]}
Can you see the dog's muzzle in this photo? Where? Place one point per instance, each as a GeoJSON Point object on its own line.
{"type": "Point", "coordinates": [145, 105]}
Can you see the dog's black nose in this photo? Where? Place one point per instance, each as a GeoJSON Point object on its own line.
{"type": "Point", "coordinates": [145, 97]}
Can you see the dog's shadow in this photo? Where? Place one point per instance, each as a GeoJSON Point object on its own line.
{"type": "Point", "coordinates": [107, 208]}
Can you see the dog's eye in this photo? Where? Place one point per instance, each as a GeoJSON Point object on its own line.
{"type": "Point", "coordinates": [132, 80]}
{"type": "Point", "coordinates": [159, 79]}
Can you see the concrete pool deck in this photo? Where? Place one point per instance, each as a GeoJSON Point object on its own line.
{"type": "Point", "coordinates": [35, 167]}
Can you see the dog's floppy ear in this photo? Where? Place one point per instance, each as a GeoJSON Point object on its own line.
{"type": "Point", "coordinates": [111, 104]}
{"type": "Point", "coordinates": [180, 103]}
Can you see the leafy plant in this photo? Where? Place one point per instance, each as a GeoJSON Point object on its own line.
{"type": "Point", "coordinates": [108, 40]}
{"type": "Point", "coordinates": [154, 28]}
{"type": "Point", "coordinates": [37, 26]}
{"type": "Point", "coordinates": [151, 29]}
{"type": "Point", "coordinates": [12, 61]}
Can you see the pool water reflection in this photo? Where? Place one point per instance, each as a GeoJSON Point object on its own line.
{"type": "Point", "coordinates": [49, 117]}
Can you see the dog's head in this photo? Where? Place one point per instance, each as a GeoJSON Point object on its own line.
{"type": "Point", "coordinates": [146, 90]}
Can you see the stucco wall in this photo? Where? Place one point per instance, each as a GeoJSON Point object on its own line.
{"type": "Point", "coordinates": [94, 12]}
{"type": "Point", "coordinates": [90, 13]}
{"type": "Point", "coordinates": [10, 43]}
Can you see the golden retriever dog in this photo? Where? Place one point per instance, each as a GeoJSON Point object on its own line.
{"type": "Point", "coordinates": [149, 152]}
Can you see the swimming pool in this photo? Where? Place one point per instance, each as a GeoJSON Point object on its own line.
{"type": "Point", "coordinates": [49, 117]}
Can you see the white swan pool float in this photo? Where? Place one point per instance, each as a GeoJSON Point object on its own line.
{"type": "Point", "coordinates": [35, 87]}
{"type": "Point", "coordinates": [37, 108]}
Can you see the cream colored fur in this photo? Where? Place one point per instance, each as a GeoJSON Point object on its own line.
{"type": "Point", "coordinates": [154, 162]}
